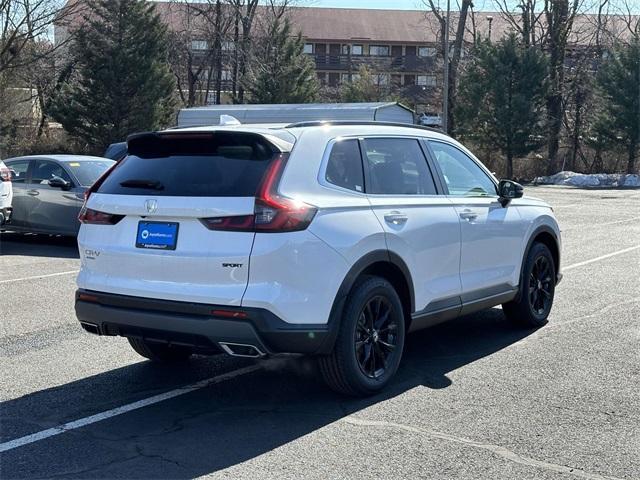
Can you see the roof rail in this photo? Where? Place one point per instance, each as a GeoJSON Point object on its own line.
{"type": "Point", "coordinates": [320, 123]}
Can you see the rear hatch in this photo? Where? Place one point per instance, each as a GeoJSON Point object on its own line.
{"type": "Point", "coordinates": [174, 220]}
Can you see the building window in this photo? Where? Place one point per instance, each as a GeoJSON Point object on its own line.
{"type": "Point", "coordinates": [198, 45]}
{"type": "Point", "coordinates": [322, 78]}
{"type": "Point", "coordinates": [345, 49]}
{"type": "Point", "coordinates": [379, 50]}
{"type": "Point", "coordinates": [381, 78]}
{"type": "Point", "coordinates": [226, 75]}
{"type": "Point", "coordinates": [334, 79]}
{"type": "Point", "coordinates": [228, 46]}
{"type": "Point", "coordinates": [344, 78]}
{"type": "Point", "coordinates": [308, 48]}
{"type": "Point", "coordinates": [426, 51]}
{"type": "Point", "coordinates": [426, 80]}
{"type": "Point", "coordinates": [356, 50]}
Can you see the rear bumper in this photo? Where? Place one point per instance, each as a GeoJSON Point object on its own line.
{"type": "Point", "coordinates": [194, 324]}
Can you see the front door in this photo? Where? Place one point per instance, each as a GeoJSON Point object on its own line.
{"type": "Point", "coordinates": [492, 235]}
{"type": "Point", "coordinates": [54, 210]}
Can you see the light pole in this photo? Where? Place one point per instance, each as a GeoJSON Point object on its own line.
{"type": "Point", "coordinates": [490, 18]}
{"type": "Point", "coordinates": [445, 95]}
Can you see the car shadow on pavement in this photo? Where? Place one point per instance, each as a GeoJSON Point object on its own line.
{"type": "Point", "coordinates": [54, 246]}
{"type": "Point", "coordinates": [222, 425]}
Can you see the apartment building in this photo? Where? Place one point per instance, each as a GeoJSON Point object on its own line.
{"type": "Point", "coordinates": [402, 48]}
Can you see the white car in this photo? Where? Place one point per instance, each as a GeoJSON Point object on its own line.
{"type": "Point", "coordinates": [6, 194]}
{"type": "Point", "coordinates": [329, 239]}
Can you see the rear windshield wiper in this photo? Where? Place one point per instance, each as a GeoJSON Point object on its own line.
{"type": "Point", "coordinates": [147, 184]}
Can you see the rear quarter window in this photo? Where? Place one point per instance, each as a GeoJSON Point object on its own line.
{"type": "Point", "coordinates": [209, 165]}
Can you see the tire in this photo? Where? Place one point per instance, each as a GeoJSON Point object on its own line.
{"type": "Point", "coordinates": [366, 336]}
{"type": "Point", "coordinates": [158, 352]}
{"type": "Point", "coordinates": [532, 306]}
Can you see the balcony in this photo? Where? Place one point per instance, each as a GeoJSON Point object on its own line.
{"type": "Point", "coordinates": [406, 63]}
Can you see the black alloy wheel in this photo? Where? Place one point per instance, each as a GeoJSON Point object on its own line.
{"type": "Point", "coordinates": [540, 290]}
{"type": "Point", "coordinates": [533, 304]}
{"type": "Point", "coordinates": [376, 336]}
{"type": "Point", "coordinates": [370, 340]}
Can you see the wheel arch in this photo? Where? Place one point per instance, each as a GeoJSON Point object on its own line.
{"type": "Point", "coordinates": [382, 263]}
{"type": "Point", "coordinates": [546, 235]}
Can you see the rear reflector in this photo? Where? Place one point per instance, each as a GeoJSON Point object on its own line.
{"type": "Point", "coordinates": [229, 314]}
{"type": "Point", "coordinates": [85, 297]}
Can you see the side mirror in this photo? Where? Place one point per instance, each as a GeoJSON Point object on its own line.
{"type": "Point", "coordinates": [57, 182]}
{"type": "Point", "coordinates": [508, 190]}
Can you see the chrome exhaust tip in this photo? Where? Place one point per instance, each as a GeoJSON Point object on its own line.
{"type": "Point", "coordinates": [91, 328]}
{"type": "Point", "coordinates": [241, 350]}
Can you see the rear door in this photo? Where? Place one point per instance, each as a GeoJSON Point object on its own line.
{"type": "Point", "coordinates": [159, 247]}
{"type": "Point", "coordinates": [21, 201]}
{"type": "Point", "coordinates": [420, 225]}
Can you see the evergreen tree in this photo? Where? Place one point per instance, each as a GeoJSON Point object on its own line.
{"type": "Point", "coordinates": [363, 87]}
{"type": "Point", "coordinates": [122, 83]}
{"type": "Point", "coordinates": [280, 71]}
{"type": "Point", "coordinates": [501, 97]}
{"type": "Point", "coordinates": [619, 87]}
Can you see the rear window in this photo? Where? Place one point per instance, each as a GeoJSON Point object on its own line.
{"type": "Point", "coordinates": [87, 172]}
{"type": "Point", "coordinates": [192, 165]}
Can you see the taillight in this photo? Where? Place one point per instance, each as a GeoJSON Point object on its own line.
{"type": "Point", "coordinates": [88, 215]}
{"type": "Point", "coordinates": [5, 174]}
{"type": "Point", "coordinates": [94, 217]}
{"type": "Point", "coordinates": [272, 212]}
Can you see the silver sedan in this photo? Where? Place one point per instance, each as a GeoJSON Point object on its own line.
{"type": "Point", "coordinates": [48, 191]}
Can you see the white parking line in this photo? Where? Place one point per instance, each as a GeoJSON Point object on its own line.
{"type": "Point", "coordinates": [65, 427]}
{"type": "Point", "coordinates": [597, 259]}
{"type": "Point", "coordinates": [35, 277]}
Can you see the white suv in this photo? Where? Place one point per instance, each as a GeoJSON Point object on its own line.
{"type": "Point", "coordinates": [328, 239]}
{"type": "Point", "coordinates": [6, 194]}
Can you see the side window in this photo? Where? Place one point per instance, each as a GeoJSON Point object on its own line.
{"type": "Point", "coordinates": [398, 167]}
{"type": "Point", "coordinates": [461, 174]}
{"type": "Point", "coordinates": [45, 170]}
{"type": "Point", "coordinates": [20, 168]}
{"type": "Point", "coordinates": [344, 167]}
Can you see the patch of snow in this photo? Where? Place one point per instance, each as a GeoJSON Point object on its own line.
{"type": "Point", "coordinates": [590, 180]}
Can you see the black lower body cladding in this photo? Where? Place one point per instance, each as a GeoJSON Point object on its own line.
{"type": "Point", "coordinates": [196, 324]}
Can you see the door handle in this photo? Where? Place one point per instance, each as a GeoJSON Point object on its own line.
{"type": "Point", "coordinates": [468, 215]}
{"type": "Point", "coordinates": [33, 193]}
{"type": "Point", "coordinates": [396, 218]}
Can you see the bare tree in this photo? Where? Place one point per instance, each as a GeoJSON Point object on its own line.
{"type": "Point", "coordinates": [25, 22]}
{"type": "Point", "coordinates": [190, 53]}
{"type": "Point", "coordinates": [458, 44]}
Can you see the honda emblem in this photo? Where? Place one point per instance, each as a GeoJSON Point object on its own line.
{"type": "Point", "coordinates": [151, 205]}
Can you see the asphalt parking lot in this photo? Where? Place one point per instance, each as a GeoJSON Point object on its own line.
{"type": "Point", "coordinates": [475, 398]}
